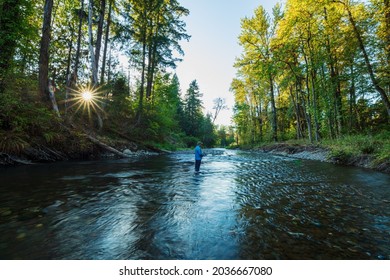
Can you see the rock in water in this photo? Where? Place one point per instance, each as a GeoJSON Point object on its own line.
{"type": "Point", "coordinates": [127, 152]}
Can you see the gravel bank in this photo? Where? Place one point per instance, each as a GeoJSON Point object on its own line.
{"type": "Point", "coordinates": [314, 152]}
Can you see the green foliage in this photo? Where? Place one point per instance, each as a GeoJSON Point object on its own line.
{"type": "Point", "coordinates": [147, 108]}
{"type": "Point", "coordinates": [209, 137]}
{"type": "Point", "coordinates": [312, 54]}
{"type": "Point", "coordinates": [340, 156]}
{"type": "Point", "coordinates": [192, 114]}
{"type": "Point", "coordinates": [23, 123]}
{"type": "Point", "coordinates": [225, 136]}
{"type": "Point", "coordinates": [13, 142]}
{"type": "Point", "coordinates": [383, 155]}
{"type": "Point", "coordinates": [349, 146]}
{"type": "Point", "coordinates": [120, 104]}
{"type": "Point", "coordinates": [17, 38]}
{"type": "Point", "coordinates": [190, 141]}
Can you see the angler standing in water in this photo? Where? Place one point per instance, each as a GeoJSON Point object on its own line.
{"type": "Point", "coordinates": [198, 156]}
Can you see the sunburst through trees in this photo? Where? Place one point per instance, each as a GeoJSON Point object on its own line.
{"type": "Point", "coordinates": [87, 99]}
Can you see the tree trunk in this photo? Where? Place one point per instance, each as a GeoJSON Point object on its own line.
{"type": "Point", "coordinates": [353, 121]}
{"type": "Point", "coordinates": [73, 75]}
{"type": "Point", "coordinates": [152, 59]}
{"type": "Point", "coordinates": [374, 80]}
{"type": "Point", "coordinates": [260, 120]}
{"type": "Point", "coordinates": [296, 100]}
{"type": "Point", "coordinates": [387, 24]}
{"type": "Point", "coordinates": [46, 87]}
{"type": "Point", "coordinates": [297, 112]}
{"type": "Point", "coordinates": [109, 66]}
{"type": "Point", "coordinates": [149, 71]}
{"type": "Point", "coordinates": [315, 105]}
{"type": "Point", "coordinates": [107, 34]}
{"type": "Point", "coordinates": [273, 106]}
{"type": "Point", "coordinates": [77, 59]}
{"type": "Point", "coordinates": [106, 147]}
{"type": "Point", "coordinates": [68, 71]}
{"type": "Point", "coordinates": [99, 35]}
{"type": "Point", "coordinates": [142, 85]}
{"type": "Point", "coordinates": [44, 52]}
{"type": "Point", "coordinates": [91, 50]}
{"type": "Point", "coordinates": [308, 101]}
{"type": "Point", "coordinates": [93, 57]}
{"type": "Point", "coordinates": [51, 90]}
{"type": "Point", "coordinates": [334, 79]}
{"type": "Point", "coordinates": [149, 88]}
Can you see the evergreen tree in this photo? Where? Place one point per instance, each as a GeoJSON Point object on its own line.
{"type": "Point", "coordinates": [192, 110]}
{"type": "Point", "coordinates": [155, 29]}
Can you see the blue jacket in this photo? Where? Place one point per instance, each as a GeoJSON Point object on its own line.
{"type": "Point", "coordinates": [198, 153]}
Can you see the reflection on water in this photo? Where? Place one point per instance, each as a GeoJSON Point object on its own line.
{"type": "Point", "coordinates": [241, 206]}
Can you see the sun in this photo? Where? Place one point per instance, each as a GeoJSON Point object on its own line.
{"type": "Point", "coordinates": [87, 96]}
{"type": "Point", "coordinates": [87, 99]}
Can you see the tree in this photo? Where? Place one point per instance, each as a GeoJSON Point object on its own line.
{"type": "Point", "coordinates": [167, 31]}
{"type": "Point", "coordinates": [255, 38]}
{"type": "Point", "coordinates": [99, 36]}
{"type": "Point", "coordinates": [155, 29]}
{"type": "Point", "coordinates": [247, 111]}
{"type": "Point", "coordinates": [10, 21]}
{"type": "Point", "coordinates": [46, 87]}
{"type": "Point", "coordinates": [92, 53]}
{"type": "Point", "coordinates": [107, 39]}
{"type": "Point", "coordinates": [322, 57]}
{"type": "Point", "coordinates": [72, 74]}
{"type": "Point", "coordinates": [192, 110]}
{"type": "Point", "coordinates": [76, 44]}
{"type": "Point", "coordinates": [358, 33]}
{"type": "Point", "coordinates": [219, 104]}
{"type": "Point", "coordinates": [207, 133]}
{"type": "Point", "coordinates": [167, 103]}
{"type": "Point", "coordinates": [44, 51]}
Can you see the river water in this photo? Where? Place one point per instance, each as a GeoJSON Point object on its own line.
{"type": "Point", "coordinates": [243, 205]}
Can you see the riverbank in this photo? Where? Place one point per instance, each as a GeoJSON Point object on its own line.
{"type": "Point", "coordinates": [77, 146]}
{"type": "Point", "coordinates": [328, 154]}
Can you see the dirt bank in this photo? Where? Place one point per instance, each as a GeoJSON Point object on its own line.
{"type": "Point", "coordinates": [315, 152]}
{"type": "Point", "coordinates": [87, 150]}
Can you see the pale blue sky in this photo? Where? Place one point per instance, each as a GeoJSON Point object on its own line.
{"type": "Point", "coordinates": [214, 26]}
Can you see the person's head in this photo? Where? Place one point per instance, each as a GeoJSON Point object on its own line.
{"type": "Point", "coordinates": [199, 143]}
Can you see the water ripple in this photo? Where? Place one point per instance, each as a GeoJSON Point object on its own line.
{"type": "Point", "coordinates": [242, 205]}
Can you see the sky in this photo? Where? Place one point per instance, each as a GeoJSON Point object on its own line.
{"type": "Point", "coordinates": [214, 27]}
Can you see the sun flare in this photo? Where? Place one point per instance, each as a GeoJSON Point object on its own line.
{"type": "Point", "coordinates": [87, 96]}
{"type": "Point", "coordinates": [87, 99]}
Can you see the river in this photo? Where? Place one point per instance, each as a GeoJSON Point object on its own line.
{"type": "Point", "coordinates": [243, 205]}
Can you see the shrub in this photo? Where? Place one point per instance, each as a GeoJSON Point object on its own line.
{"type": "Point", "coordinates": [12, 143]}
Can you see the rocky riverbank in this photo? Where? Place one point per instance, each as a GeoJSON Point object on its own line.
{"type": "Point", "coordinates": [316, 152]}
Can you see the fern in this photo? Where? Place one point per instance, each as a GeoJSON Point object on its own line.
{"type": "Point", "coordinates": [12, 143]}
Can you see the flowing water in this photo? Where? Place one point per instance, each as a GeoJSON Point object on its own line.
{"type": "Point", "coordinates": [241, 206]}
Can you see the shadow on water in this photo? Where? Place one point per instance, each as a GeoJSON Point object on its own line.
{"type": "Point", "coordinates": [241, 206]}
